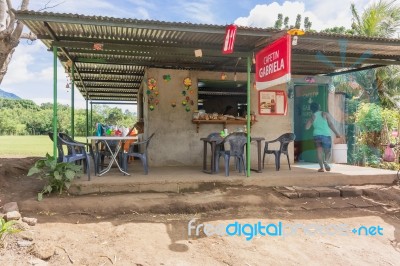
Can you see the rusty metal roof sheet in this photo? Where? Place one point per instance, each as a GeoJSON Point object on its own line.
{"type": "Point", "coordinates": [129, 46]}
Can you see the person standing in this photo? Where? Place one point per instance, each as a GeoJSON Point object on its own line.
{"type": "Point", "coordinates": [322, 126]}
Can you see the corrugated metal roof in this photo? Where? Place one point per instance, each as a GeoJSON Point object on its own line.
{"type": "Point", "coordinates": [131, 45]}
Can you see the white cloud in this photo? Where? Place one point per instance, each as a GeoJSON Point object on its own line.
{"type": "Point", "coordinates": [198, 11]}
{"type": "Point", "coordinates": [322, 14]}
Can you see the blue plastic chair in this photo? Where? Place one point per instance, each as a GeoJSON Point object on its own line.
{"type": "Point", "coordinates": [76, 151]}
{"type": "Point", "coordinates": [284, 141]}
{"type": "Point", "coordinates": [138, 150]}
{"type": "Point", "coordinates": [236, 142]}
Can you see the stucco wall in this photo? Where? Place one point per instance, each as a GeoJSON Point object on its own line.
{"type": "Point", "coordinates": [176, 141]}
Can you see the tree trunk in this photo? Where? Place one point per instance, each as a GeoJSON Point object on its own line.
{"type": "Point", "coordinates": [10, 32]}
{"type": "Point", "coordinates": [6, 52]}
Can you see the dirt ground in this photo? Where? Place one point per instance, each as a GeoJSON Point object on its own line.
{"type": "Point", "coordinates": [152, 228]}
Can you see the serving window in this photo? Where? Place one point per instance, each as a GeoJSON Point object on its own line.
{"type": "Point", "coordinates": [224, 97]}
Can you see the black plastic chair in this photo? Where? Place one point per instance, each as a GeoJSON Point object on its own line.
{"type": "Point", "coordinates": [284, 140]}
{"type": "Point", "coordinates": [138, 150]}
{"type": "Point", "coordinates": [76, 151]}
{"type": "Point", "coordinates": [236, 143]}
{"type": "Point", "coordinates": [219, 146]}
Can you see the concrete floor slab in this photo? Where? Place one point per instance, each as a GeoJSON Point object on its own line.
{"type": "Point", "coordinates": [191, 178]}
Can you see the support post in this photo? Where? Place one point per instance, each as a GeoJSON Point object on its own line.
{"type": "Point", "coordinates": [91, 116]}
{"type": "Point", "coordinates": [248, 115]}
{"type": "Point", "coordinates": [55, 119]}
{"type": "Point", "coordinates": [73, 101]}
{"type": "Point", "coordinates": [87, 118]}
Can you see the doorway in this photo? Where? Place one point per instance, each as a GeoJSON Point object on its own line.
{"type": "Point", "coordinates": [305, 94]}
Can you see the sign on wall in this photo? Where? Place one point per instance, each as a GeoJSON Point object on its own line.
{"type": "Point", "coordinates": [230, 35]}
{"type": "Point", "coordinates": [272, 102]}
{"type": "Point", "coordinates": [273, 64]}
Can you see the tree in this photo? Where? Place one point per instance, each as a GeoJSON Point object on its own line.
{"type": "Point", "coordinates": [297, 25]}
{"type": "Point", "coordinates": [10, 33]}
{"type": "Point", "coordinates": [381, 19]}
{"type": "Point", "coordinates": [339, 30]}
{"type": "Point", "coordinates": [285, 23]}
{"type": "Point", "coordinates": [307, 24]}
{"type": "Point", "coordinates": [279, 22]}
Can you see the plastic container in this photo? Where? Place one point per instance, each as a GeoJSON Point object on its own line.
{"type": "Point", "coordinates": [339, 153]}
{"type": "Point", "coordinates": [195, 115]}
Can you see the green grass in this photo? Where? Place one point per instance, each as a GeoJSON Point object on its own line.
{"type": "Point", "coordinates": [25, 146]}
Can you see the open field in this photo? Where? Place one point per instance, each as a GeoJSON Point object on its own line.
{"type": "Point", "coordinates": [20, 146]}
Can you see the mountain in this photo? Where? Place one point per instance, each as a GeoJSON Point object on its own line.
{"type": "Point", "coordinates": [8, 95]}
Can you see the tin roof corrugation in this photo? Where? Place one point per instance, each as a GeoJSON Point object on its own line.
{"type": "Point", "coordinates": [131, 45]}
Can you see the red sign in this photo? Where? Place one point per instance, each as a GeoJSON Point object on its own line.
{"type": "Point", "coordinates": [273, 63]}
{"type": "Point", "coordinates": [230, 35]}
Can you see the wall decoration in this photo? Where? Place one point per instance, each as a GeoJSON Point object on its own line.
{"type": "Point", "coordinates": [272, 102]}
{"type": "Point", "coordinates": [151, 84]}
{"type": "Point", "coordinates": [187, 82]}
{"type": "Point", "coordinates": [152, 93]}
{"type": "Point", "coordinates": [167, 77]}
{"type": "Point", "coordinates": [187, 102]}
{"type": "Point", "coordinates": [223, 76]}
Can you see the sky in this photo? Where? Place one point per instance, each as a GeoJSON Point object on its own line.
{"type": "Point", "coordinates": [30, 73]}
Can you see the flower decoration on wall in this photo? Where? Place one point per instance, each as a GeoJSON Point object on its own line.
{"type": "Point", "coordinates": [187, 101]}
{"type": "Point", "coordinates": [167, 77]}
{"type": "Point", "coordinates": [151, 84]}
{"type": "Point", "coordinates": [187, 82]}
{"type": "Point", "coordinates": [152, 93]}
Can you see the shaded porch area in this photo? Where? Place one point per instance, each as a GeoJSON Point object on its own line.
{"type": "Point", "coordinates": [179, 179]}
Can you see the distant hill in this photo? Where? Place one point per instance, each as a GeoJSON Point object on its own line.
{"type": "Point", "coordinates": [8, 95]}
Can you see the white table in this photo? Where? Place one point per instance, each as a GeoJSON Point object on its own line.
{"type": "Point", "coordinates": [114, 154]}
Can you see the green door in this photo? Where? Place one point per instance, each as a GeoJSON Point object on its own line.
{"type": "Point", "coordinates": [305, 94]}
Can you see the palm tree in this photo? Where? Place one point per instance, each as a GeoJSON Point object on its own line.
{"type": "Point", "coordinates": [381, 19]}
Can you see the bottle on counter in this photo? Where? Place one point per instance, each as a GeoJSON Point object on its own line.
{"type": "Point", "coordinates": [273, 105]}
{"type": "Point", "coordinates": [195, 115]}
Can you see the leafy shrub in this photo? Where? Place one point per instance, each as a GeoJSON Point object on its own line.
{"type": "Point", "coordinates": [59, 176]}
{"type": "Point", "coordinates": [387, 165]}
{"type": "Point", "coordinates": [6, 228]}
{"type": "Point", "coordinates": [367, 155]}
{"type": "Point", "coordinates": [369, 117]}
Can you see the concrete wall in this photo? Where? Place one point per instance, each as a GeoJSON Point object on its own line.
{"type": "Point", "coordinates": [176, 141]}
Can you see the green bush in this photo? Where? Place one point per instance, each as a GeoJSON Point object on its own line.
{"type": "Point", "coordinates": [6, 228]}
{"type": "Point", "coordinates": [387, 165]}
{"type": "Point", "coordinates": [59, 176]}
{"type": "Point", "coordinates": [369, 117]}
